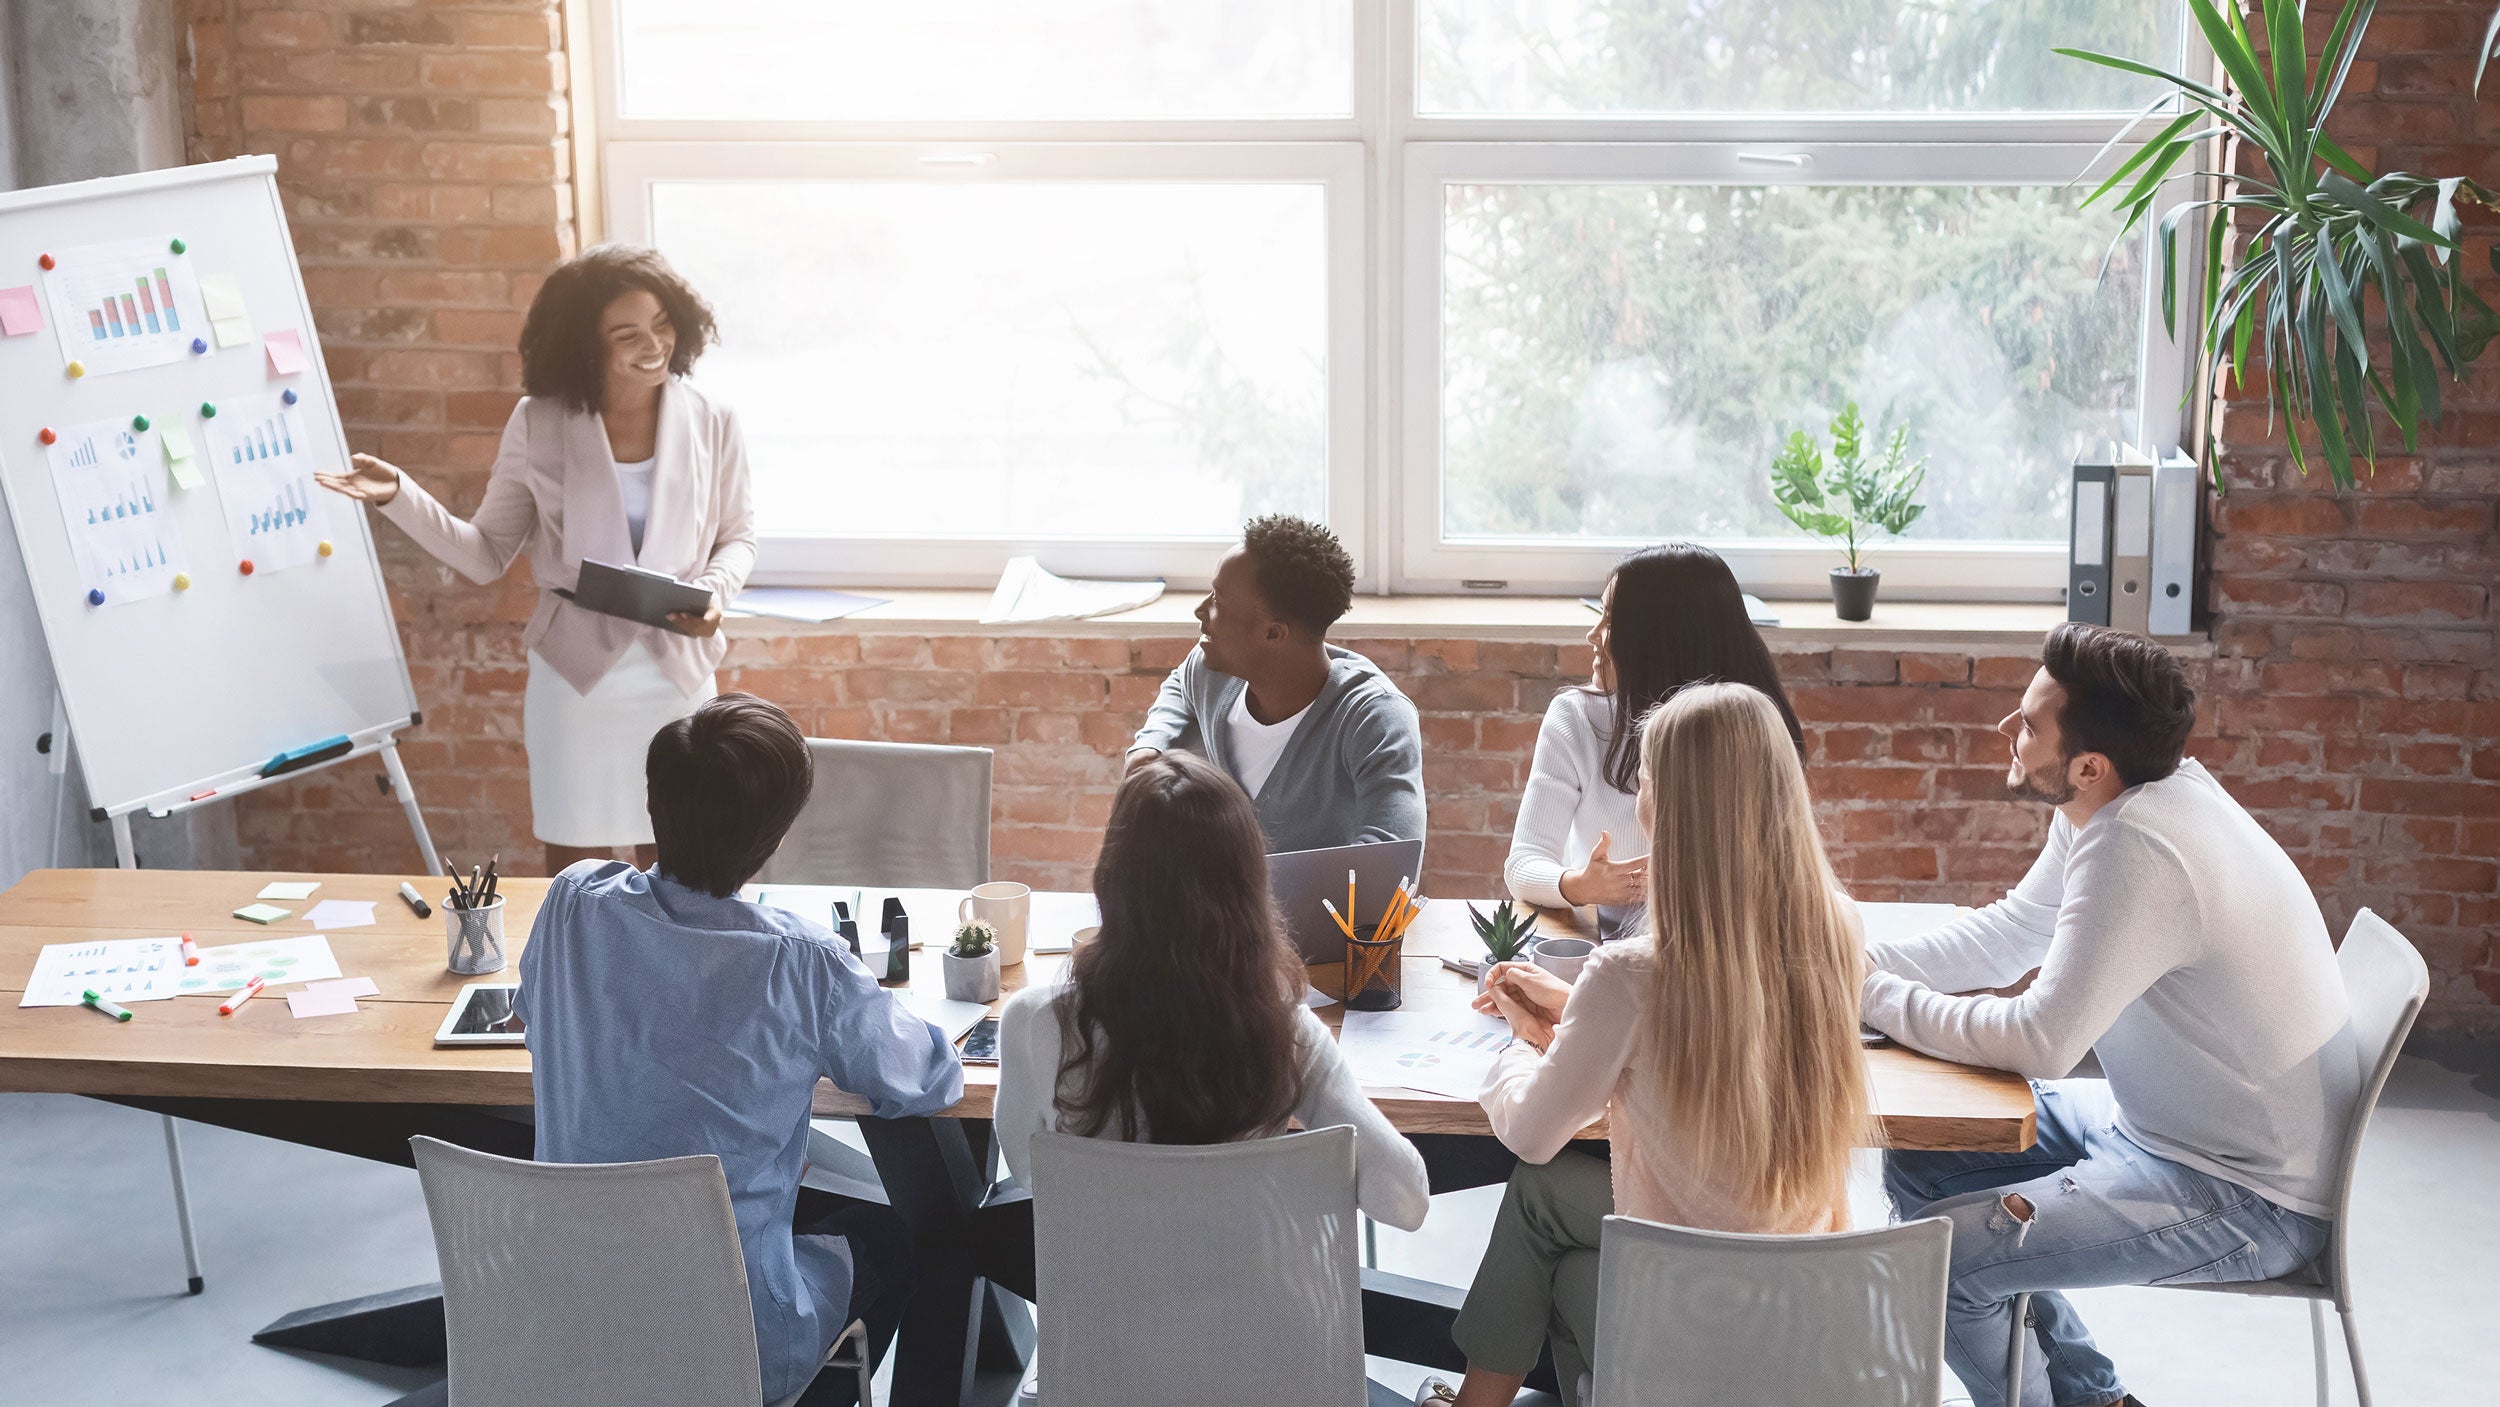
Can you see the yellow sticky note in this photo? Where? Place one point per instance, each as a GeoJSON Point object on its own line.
{"type": "Point", "coordinates": [227, 315]}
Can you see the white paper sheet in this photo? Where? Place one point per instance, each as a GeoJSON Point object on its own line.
{"type": "Point", "coordinates": [1028, 593]}
{"type": "Point", "coordinates": [952, 1017]}
{"type": "Point", "coordinates": [125, 304]}
{"type": "Point", "coordinates": [263, 463]}
{"type": "Point", "coordinates": [1438, 1052]}
{"type": "Point", "coordinates": [1051, 924]}
{"type": "Point", "coordinates": [288, 889]}
{"type": "Point", "coordinates": [341, 913]}
{"type": "Point", "coordinates": [125, 970]}
{"type": "Point", "coordinates": [278, 961]}
{"type": "Point", "coordinates": [110, 479]}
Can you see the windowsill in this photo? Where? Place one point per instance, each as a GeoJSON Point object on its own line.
{"type": "Point", "coordinates": [1535, 619]}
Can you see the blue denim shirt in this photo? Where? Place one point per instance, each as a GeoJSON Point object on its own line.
{"type": "Point", "coordinates": [663, 1022]}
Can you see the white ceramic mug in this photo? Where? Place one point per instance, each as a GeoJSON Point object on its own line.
{"type": "Point", "coordinates": [1005, 906]}
{"type": "Point", "coordinates": [1563, 957]}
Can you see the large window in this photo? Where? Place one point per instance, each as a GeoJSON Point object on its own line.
{"type": "Point", "coordinates": [1496, 287]}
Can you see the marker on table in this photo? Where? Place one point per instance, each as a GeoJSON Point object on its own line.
{"type": "Point", "coordinates": [118, 1013]}
{"type": "Point", "coordinates": [415, 901]}
{"type": "Point", "coordinates": [190, 952]}
{"type": "Point", "coordinates": [241, 995]}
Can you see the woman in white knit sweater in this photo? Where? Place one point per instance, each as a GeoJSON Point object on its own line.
{"type": "Point", "coordinates": [1182, 1021]}
{"type": "Point", "coordinates": [1721, 1047]}
{"type": "Point", "coordinates": [1673, 617]}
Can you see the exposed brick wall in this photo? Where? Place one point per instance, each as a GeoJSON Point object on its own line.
{"type": "Point", "coordinates": [2352, 697]}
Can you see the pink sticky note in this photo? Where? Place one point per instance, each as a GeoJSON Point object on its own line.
{"type": "Point", "coordinates": [331, 1002]}
{"type": "Point", "coordinates": [19, 312]}
{"type": "Point", "coordinates": [345, 986]}
{"type": "Point", "coordinates": [286, 352]}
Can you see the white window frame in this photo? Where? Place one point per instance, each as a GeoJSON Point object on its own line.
{"type": "Point", "coordinates": [1382, 168]}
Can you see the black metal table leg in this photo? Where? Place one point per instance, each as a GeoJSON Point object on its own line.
{"type": "Point", "coordinates": [962, 1339]}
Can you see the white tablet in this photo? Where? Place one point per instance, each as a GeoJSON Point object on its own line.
{"type": "Point", "coordinates": [482, 1015]}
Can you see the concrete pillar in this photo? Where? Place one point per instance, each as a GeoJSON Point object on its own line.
{"type": "Point", "coordinates": [98, 87]}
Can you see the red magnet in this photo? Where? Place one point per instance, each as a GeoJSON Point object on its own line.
{"type": "Point", "coordinates": [45, 434]}
{"type": "Point", "coordinates": [44, 261]}
{"type": "Point", "coordinates": [246, 568]}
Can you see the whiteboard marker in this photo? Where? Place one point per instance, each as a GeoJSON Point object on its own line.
{"type": "Point", "coordinates": [408, 892]}
{"type": "Point", "coordinates": [190, 952]}
{"type": "Point", "coordinates": [118, 1013]}
{"type": "Point", "coordinates": [241, 995]}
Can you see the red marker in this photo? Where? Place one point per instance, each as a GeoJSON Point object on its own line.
{"type": "Point", "coordinates": [203, 795]}
{"type": "Point", "coordinates": [190, 952]}
{"type": "Point", "coordinates": [241, 995]}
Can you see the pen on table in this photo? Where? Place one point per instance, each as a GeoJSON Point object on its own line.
{"type": "Point", "coordinates": [491, 862]}
{"type": "Point", "coordinates": [477, 882]}
{"type": "Point", "coordinates": [241, 995]}
{"type": "Point", "coordinates": [190, 952]}
{"type": "Point", "coordinates": [414, 900]}
{"type": "Point", "coordinates": [118, 1013]}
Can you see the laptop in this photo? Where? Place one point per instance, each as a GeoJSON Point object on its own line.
{"type": "Point", "coordinates": [1300, 879]}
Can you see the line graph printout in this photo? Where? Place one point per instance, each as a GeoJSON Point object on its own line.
{"type": "Point", "coordinates": [110, 479]}
{"type": "Point", "coordinates": [264, 469]}
{"type": "Point", "coordinates": [127, 304]}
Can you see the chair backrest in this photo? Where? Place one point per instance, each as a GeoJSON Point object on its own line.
{"type": "Point", "coordinates": [1718, 1319]}
{"type": "Point", "coordinates": [1198, 1274]}
{"type": "Point", "coordinates": [2385, 984]}
{"type": "Point", "coordinates": [569, 1285]}
{"type": "Point", "coordinates": [890, 816]}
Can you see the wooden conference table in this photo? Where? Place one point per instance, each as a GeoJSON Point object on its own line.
{"type": "Point", "coordinates": [363, 1083]}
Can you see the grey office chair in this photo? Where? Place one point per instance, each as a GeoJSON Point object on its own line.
{"type": "Point", "coordinates": [890, 816]}
{"type": "Point", "coordinates": [883, 816]}
{"type": "Point", "coordinates": [626, 1276]}
{"type": "Point", "coordinates": [2385, 983]}
{"type": "Point", "coordinates": [1709, 1318]}
{"type": "Point", "coordinates": [1198, 1276]}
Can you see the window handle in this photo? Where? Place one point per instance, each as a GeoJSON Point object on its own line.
{"type": "Point", "coordinates": [1775, 158]}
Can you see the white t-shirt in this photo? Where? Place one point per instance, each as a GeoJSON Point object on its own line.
{"type": "Point", "coordinates": [633, 484]}
{"type": "Point", "coordinates": [1256, 745]}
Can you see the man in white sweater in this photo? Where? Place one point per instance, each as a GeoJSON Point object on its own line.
{"type": "Point", "coordinates": [2175, 940]}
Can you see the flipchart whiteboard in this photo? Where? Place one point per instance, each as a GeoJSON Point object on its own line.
{"type": "Point", "coordinates": [183, 693]}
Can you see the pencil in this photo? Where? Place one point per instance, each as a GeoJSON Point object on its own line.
{"type": "Point", "coordinates": [1340, 918]}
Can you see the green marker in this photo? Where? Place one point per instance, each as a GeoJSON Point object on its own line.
{"type": "Point", "coordinates": [118, 1013]}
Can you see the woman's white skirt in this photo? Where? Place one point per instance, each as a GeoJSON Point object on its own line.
{"type": "Point", "coordinates": [586, 751]}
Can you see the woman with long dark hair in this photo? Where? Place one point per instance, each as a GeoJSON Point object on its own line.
{"type": "Point", "coordinates": [1182, 1020]}
{"type": "Point", "coordinates": [1673, 617]}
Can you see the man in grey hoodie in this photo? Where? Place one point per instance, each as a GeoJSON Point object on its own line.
{"type": "Point", "coordinates": [1327, 747]}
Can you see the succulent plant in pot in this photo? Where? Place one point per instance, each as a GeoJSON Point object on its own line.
{"type": "Point", "coordinates": [1505, 933]}
{"type": "Point", "coordinates": [972, 964]}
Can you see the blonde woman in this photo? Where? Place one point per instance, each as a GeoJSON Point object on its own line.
{"type": "Point", "coordinates": [1723, 1047]}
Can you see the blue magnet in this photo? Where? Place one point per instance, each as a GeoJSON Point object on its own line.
{"type": "Point", "coordinates": [95, 597]}
{"type": "Point", "coordinates": [198, 345]}
{"type": "Point", "coordinates": [288, 396]}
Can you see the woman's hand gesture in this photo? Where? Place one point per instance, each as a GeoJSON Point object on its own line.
{"type": "Point", "coordinates": [1530, 998]}
{"type": "Point", "coordinates": [371, 480]}
{"type": "Point", "coordinates": [1604, 880]}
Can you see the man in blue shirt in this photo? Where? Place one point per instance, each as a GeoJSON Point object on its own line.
{"type": "Point", "coordinates": [667, 1017]}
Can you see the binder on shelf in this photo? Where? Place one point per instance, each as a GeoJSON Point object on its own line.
{"type": "Point", "coordinates": [2131, 544]}
{"type": "Point", "coordinates": [2174, 546]}
{"type": "Point", "coordinates": [2087, 555]}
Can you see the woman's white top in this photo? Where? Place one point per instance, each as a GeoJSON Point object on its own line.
{"type": "Point", "coordinates": [1569, 803]}
{"type": "Point", "coordinates": [1390, 1184]}
{"type": "Point", "coordinates": [1256, 745]}
{"type": "Point", "coordinates": [633, 484]}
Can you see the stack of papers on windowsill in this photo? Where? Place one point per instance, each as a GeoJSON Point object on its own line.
{"type": "Point", "coordinates": [814, 605]}
{"type": "Point", "coordinates": [1027, 593]}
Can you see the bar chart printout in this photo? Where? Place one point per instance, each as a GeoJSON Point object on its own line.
{"type": "Point", "coordinates": [264, 469]}
{"type": "Point", "coordinates": [110, 479]}
{"type": "Point", "coordinates": [127, 304]}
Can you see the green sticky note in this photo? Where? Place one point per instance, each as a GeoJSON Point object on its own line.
{"type": "Point", "coordinates": [260, 913]}
{"type": "Point", "coordinates": [186, 473]}
{"type": "Point", "coordinates": [177, 442]}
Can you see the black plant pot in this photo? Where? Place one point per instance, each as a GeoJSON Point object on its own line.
{"type": "Point", "coordinates": [1853, 593]}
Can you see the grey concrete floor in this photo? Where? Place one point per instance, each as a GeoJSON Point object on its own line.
{"type": "Point", "coordinates": [92, 1308]}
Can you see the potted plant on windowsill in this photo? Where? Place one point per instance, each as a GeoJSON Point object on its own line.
{"type": "Point", "coordinates": [1848, 498]}
{"type": "Point", "coordinates": [1505, 935]}
{"type": "Point", "coordinates": [972, 964]}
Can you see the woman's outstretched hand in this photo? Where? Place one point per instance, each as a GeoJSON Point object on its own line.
{"type": "Point", "coordinates": [370, 480]}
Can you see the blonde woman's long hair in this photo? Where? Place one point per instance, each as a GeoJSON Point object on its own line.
{"type": "Point", "coordinates": [1756, 1000]}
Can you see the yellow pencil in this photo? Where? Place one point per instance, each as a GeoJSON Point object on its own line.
{"type": "Point", "coordinates": [1397, 905]}
{"type": "Point", "coordinates": [1340, 918]}
{"type": "Point", "coordinates": [1414, 908]}
{"type": "Point", "coordinates": [1350, 910]}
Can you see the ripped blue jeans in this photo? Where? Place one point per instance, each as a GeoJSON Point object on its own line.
{"type": "Point", "coordinates": [2103, 1211]}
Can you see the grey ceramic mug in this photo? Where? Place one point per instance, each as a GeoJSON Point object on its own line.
{"type": "Point", "coordinates": [1563, 957]}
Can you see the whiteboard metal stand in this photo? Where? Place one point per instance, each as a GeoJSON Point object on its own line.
{"type": "Point", "coordinates": [383, 741]}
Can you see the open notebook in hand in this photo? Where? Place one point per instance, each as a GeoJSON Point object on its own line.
{"type": "Point", "coordinates": [630, 593]}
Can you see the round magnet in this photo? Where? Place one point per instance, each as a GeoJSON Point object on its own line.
{"type": "Point", "coordinates": [76, 369]}
{"type": "Point", "coordinates": [326, 549]}
{"type": "Point", "coordinates": [288, 395]}
{"type": "Point", "coordinates": [182, 581]}
{"type": "Point", "coordinates": [95, 596]}
{"type": "Point", "coordinates": [43, 261]}
{"type": "Point", "coordinates": [208, 410]}
{"type": "Point", "coordinates": [45, 435]}
{"type": "Point", "coordinates": [179, 246]}
{"type": "Point", "coordinates": [138, 422]}
{"type": "Point", "coordinates": [198, 345]}
{"type": "Point", "coordinates": [245, 567]}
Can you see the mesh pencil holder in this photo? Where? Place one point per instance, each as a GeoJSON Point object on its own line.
{"type": "Point", "coordinates": [1375, 971]}
{"type": "Point", "coordinates": [476, 937]}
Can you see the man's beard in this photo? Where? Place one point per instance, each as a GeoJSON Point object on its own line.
{"type": "Point", "coordinates": [2033, 787]}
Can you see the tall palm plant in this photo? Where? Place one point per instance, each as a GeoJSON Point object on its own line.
{"type": "Point", "coordinates": [2333, 252]}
